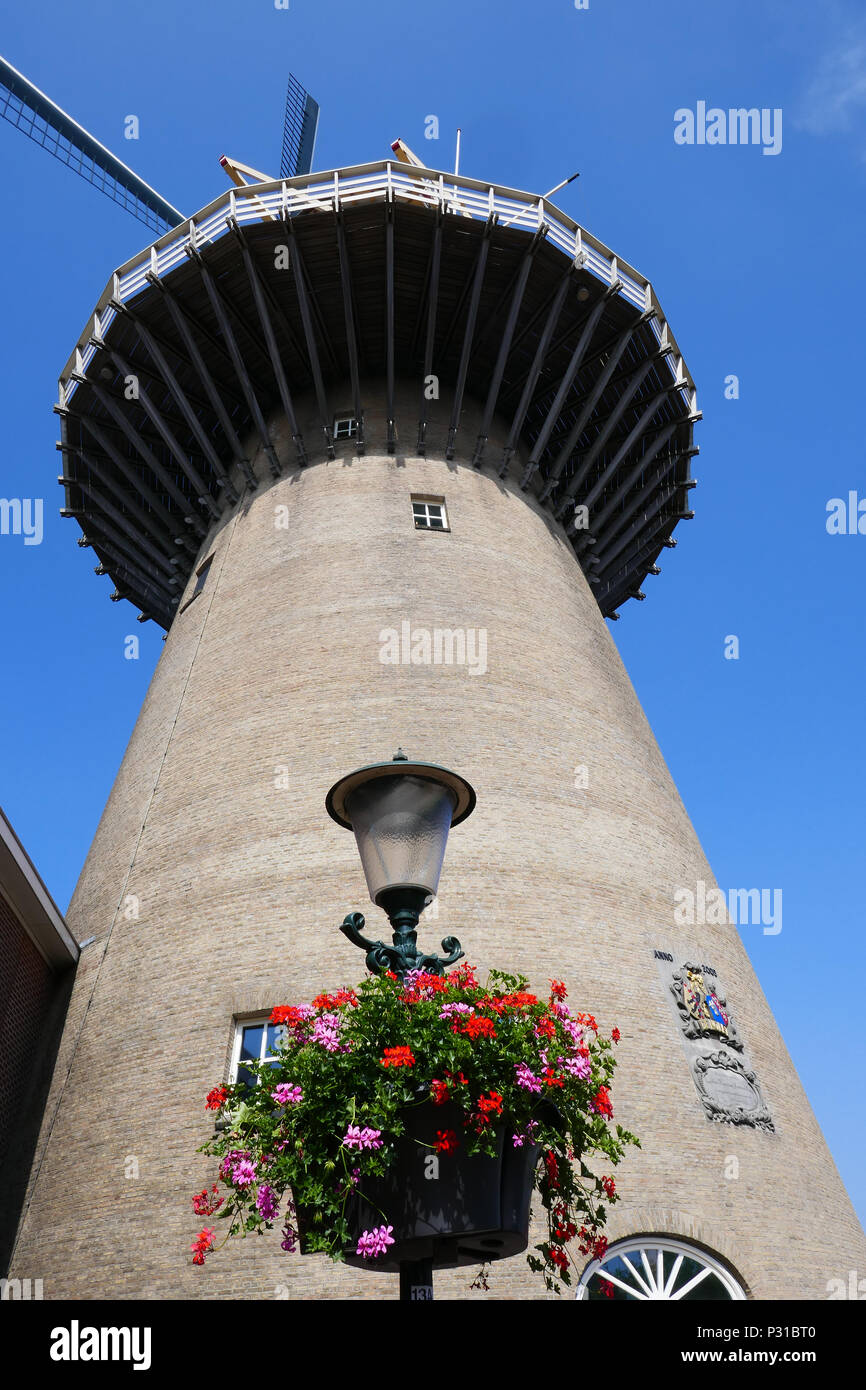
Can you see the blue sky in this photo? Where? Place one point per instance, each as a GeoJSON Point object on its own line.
{"type": "Point", "coordinates": [758, 262]}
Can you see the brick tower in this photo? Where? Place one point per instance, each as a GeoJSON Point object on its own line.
{"type": "Point", "coordinates": [381, 450]}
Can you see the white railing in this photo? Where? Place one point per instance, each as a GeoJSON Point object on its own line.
{"type": "Point", "coordinates": [452, 193]}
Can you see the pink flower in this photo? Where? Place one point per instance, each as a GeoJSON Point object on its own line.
{"type": "Point", "coordinates": [244, 1173]}
{"type": "Point", "coordinates": [287, 1095]}
{"type": "Point", "coordinates": [266, 1202]}
{"type": "Point", "coordinates": [526, 1078]}
{"type": "Point", "coordinates": [357, 1138]}
{"type": "Point", "coordinates": [375, 1242]}
{"type": "Point", "coordinates": [578, 1066]}
{"type": "Point", "coordinates": [449, 1010]}
{"type": "Point", "coordinates": [234, 1156]}
{"type": "Point", "coordinates": [326, 1032]}
{"type": "Point", "coordinates": [290, 1237]}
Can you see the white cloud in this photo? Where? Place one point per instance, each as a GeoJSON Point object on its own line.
{"type": "Point", "coordinates": [837, 93]}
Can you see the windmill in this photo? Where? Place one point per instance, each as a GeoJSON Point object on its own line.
{"type": "Point", "coordinates": [28, 109]}
{"type": "Point", "coordinates": [342, 435]}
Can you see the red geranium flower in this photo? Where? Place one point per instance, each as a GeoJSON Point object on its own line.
{"type": "Point", "coordinates": [287, 1013]}
{"type": "Point", "coordinates": [557, 990]}
{"type": "Point", "coordinates": [446, 1141]}
{"type": "Point", "coordinates": [616, 1035]}
{"type": "Point", "coordinates": [552, 1168]}
{"type": "Point", "coordinates": [476, 1028]}
{"type": "Point", "coordinates": [216, 1098]}
{"type": "Point", "coordinates": [205, 1204]}
{"type": "Point", "coordinates": [490, 1104]}
{"type": "Point", "coordinates": [601, 1104]}
{"type": "Point", "coordinates": [609, 1186]}
{"type": "Point", "coordinates": [336, 1001]}
{"type": "Point", "coordinates": [438, 1092]}
{"type": "Point", "coordinates": [398, 1057]}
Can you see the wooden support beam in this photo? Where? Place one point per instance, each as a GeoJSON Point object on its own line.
{"type": "Point", "coordinates": [640, 467]}
{"type": "Point", "coordinates": [582, 471]}
{"type": "Point", "coordinates": [212, 388]}
{"type": "Point", "coordinates": [565, 386]}
{"type": "Point", "coordinates": [587, 409]}
{"type": "Point", "coordinates": [505, 344]}
{"type": "Point", "coordinates": [131, 475]}
{"type": "Point", "coordinates": [468, 334]}
{"type": "Point", "coordinates": [351, 329]}
{"type": "Point", "coordinates": [183, 402]}
{"type": "Point", "coordinates": [182, 459]}
{"type": "Point", "coordinates": [652, 489]}
{"type": "Point", "coordinates": [297, 264]}
{"type": "Point", "coordinates": [389, 325]}
{"type": "Point", "coordinates": [161, 548]}
{"type": "Point", "coordinates": [432, 306]}
{"type": "Point", "coordinates": [554, 310]}
{"type": "Point", "coordinates": [273, 349]}
{"type": "Point", "coordinates": [243, 376]}
{"type": "Point", "coordinates": [141, 446]}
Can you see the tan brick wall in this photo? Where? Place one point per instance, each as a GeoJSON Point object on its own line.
{"type": "Point", "coordinates": [242, 885]}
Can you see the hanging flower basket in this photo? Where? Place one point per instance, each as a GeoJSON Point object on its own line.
{"type": "Point", "coordinates": [408, 1121]}
{"type": "Point", "coordinates": [448, 1207]}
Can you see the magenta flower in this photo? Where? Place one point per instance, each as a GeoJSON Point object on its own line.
{"type": "Point", "coordinates": [326, 1032]}
{"type": "Point", "coordinates": [267, 1203]}
{"type": "Point", "coordinates": [449, 1010]}
{"type": "Point", "coordinates": [290, 1237]}
{"type": "Point", "coordinates": [518, 1139]}
{"type": "Point", "coordinates": [287, 1095]}
{"type": "Point", "coordinates": [231, 1158]}
{"type": "Point", "coordinates": [375, 1242]}
{"type": "Point", "coordinates": [357, 1138]}
{"type": "Point", "coordinates": [244, 1173]}
{"type": "Point", "coordinates": [578, 1066]}
{"type": "Point", "coordinates": [526, 1078]}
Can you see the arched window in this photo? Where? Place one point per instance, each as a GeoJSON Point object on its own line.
{"type": "Point", "coordinates": [650, 1267]}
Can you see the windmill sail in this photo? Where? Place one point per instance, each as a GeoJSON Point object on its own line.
{"type": "Point", "coordinates": [32, 112]}
{"type": "Point", "coordinates": [299, 131]}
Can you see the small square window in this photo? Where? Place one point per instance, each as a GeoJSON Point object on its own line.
{"type": "Point", "coordinates": [256, 1040]}
{"type": "Point", "coordinates": [345, 427]}
{"type": "Point", "coordinates": [429, 514]}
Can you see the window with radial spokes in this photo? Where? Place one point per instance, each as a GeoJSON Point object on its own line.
{"type": "Point", "coordinates": [650, 1269]}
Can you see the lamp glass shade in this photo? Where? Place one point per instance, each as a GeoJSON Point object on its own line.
{"type": "Point", "coordinates": [401, 826]}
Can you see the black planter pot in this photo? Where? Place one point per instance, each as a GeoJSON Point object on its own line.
{"type": "Point", "coordinates": [473, 1209]}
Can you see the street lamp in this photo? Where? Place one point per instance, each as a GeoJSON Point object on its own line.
{"type": "Point", "coordinates": [401, 813]}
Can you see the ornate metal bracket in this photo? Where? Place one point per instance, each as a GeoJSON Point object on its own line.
{"type": "Point", "coordinates": [404, 955]}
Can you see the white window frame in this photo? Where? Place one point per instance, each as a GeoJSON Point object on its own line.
{"type": "Point", "coordinates": [427, 503]}
{"type": "Point", "coordinates": [350, 433]}
{"type": "Point", "coordinates": [254, 1021]}
{"type": "Point", "coordinates": [633, 1248]}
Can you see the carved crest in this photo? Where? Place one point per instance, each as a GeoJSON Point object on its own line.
{"type": "Point", "coordinates": [730, 1091]}
{"type": "Point", "coordinates": [703, 1011]}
